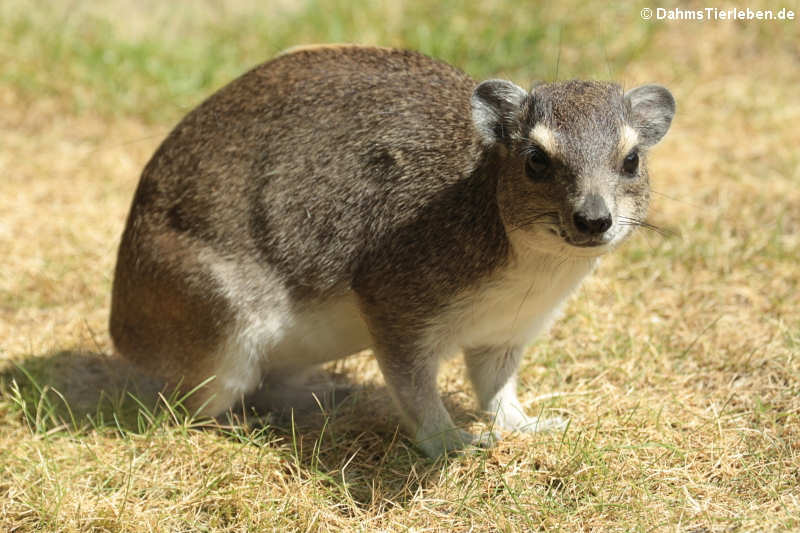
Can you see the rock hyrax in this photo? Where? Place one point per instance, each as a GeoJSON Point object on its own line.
{"type": "Point", "coordinates": [340, 198]}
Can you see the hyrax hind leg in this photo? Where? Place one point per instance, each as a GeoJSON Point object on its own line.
{"type": "Point", "coordinates": [172, 317]}
{"type": "Point", "coordinates": [305, 391]}
{"type": "Point", "coordinates": [187, 348]}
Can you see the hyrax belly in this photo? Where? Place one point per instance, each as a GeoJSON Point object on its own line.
{"type": "Point", "coordinates": [318, 332]}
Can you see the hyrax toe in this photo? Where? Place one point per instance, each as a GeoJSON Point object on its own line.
{"type": "Point", "coordinates": [455, 440]}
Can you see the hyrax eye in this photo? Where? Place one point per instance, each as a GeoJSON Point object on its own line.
{"type": "Point", "coordinates": [631, 163]}
{"type": "Point", "coordinates": [537, 164]}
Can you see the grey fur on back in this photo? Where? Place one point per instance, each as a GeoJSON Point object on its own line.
{"type": "Point", "coordinates": [278, 143]}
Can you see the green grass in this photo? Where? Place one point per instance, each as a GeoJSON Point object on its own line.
{"type": "Point", "coordinates": [84, 59]}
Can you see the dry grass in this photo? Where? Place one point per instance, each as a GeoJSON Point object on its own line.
{"type": "Point", "coordinates": [678, 363]}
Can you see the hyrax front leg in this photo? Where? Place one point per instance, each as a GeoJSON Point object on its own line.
{"type": "Point", "coordinates": [493, 372]}
{"type": "Point", "coordinates": [410, 375]}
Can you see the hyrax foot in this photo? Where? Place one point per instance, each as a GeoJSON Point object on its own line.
{"type": "Point", "coordinates": [304, 393]}
{"type": "Point", "coordinates": [453, 440]}
{"type": "Point", "coordinates": [530, 424]}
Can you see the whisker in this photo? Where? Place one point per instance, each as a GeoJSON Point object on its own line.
{"type": "Point", "coordinates": [678, 200]}
{"type": "Point", "coordinates": [550, 218]}
{"type": "Point", "coordinates": [543, 218]}
{"type": "Point", "coordinates": [626, 221]}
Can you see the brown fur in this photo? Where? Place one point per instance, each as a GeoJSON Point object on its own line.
{"type": "Point", "coordinates": [332, 172]}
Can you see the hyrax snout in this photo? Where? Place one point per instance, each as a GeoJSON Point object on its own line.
{"type": "Point", "coordinates": [342, 198]}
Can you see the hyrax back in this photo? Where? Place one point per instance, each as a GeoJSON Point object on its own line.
{"type": "Point", "coordinates": [339, 198]}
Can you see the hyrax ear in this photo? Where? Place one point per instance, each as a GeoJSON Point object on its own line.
{"type": "Point", "coordinates": [652, 108]}
{"type": "Point", "coordinates": [496, 106]}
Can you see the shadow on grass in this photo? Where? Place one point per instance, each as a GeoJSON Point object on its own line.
{"type": "Point", "coordinates": [355, 450]}
{"type": "Point", "coordinates": [73, 389]}
{"type": "Point", "coordinates": [360, 454]}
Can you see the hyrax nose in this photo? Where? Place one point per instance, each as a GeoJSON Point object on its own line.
{"type": "Point", "coordinates": [593, 217]}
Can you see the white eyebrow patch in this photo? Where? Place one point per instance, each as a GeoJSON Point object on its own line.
{"type": "Point", "coordinates": [544, 137]}
{"type": "Point", "coordinates": [628, 139]}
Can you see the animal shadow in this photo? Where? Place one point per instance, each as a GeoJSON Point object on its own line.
{"type": "Point", "coordinates": [354, 446]}
{"type": "Point", "coordinates": [78, 388]}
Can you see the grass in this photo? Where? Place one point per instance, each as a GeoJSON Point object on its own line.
{"type": "Point", "coordinates": [677, 363]}
{"type": "Point", "coordinates": [172, 57]}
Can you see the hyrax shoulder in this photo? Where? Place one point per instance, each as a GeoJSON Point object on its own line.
{"type": "Point", "coordinates": [338, 198]}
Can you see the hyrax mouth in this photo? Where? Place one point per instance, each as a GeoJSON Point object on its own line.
{"type": "Point", "coordinates": [599, 240]}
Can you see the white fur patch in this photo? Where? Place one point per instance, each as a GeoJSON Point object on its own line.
{"type": "Point", "coordinates": [514, 306]}
{"type": "Point", "coordinates": [272, 333]}
{"type": "Point", "coordinates": [322, 332]}
{"type": "Point", "coordinates": [260, 322]}
{"type": "Point", "coordinates": [628, 139]}
{"type": "Point", "coordinates": [544, 137]}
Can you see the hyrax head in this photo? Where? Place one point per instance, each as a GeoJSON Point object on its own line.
{"type": "Point", "coordinates": [571, 159]}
